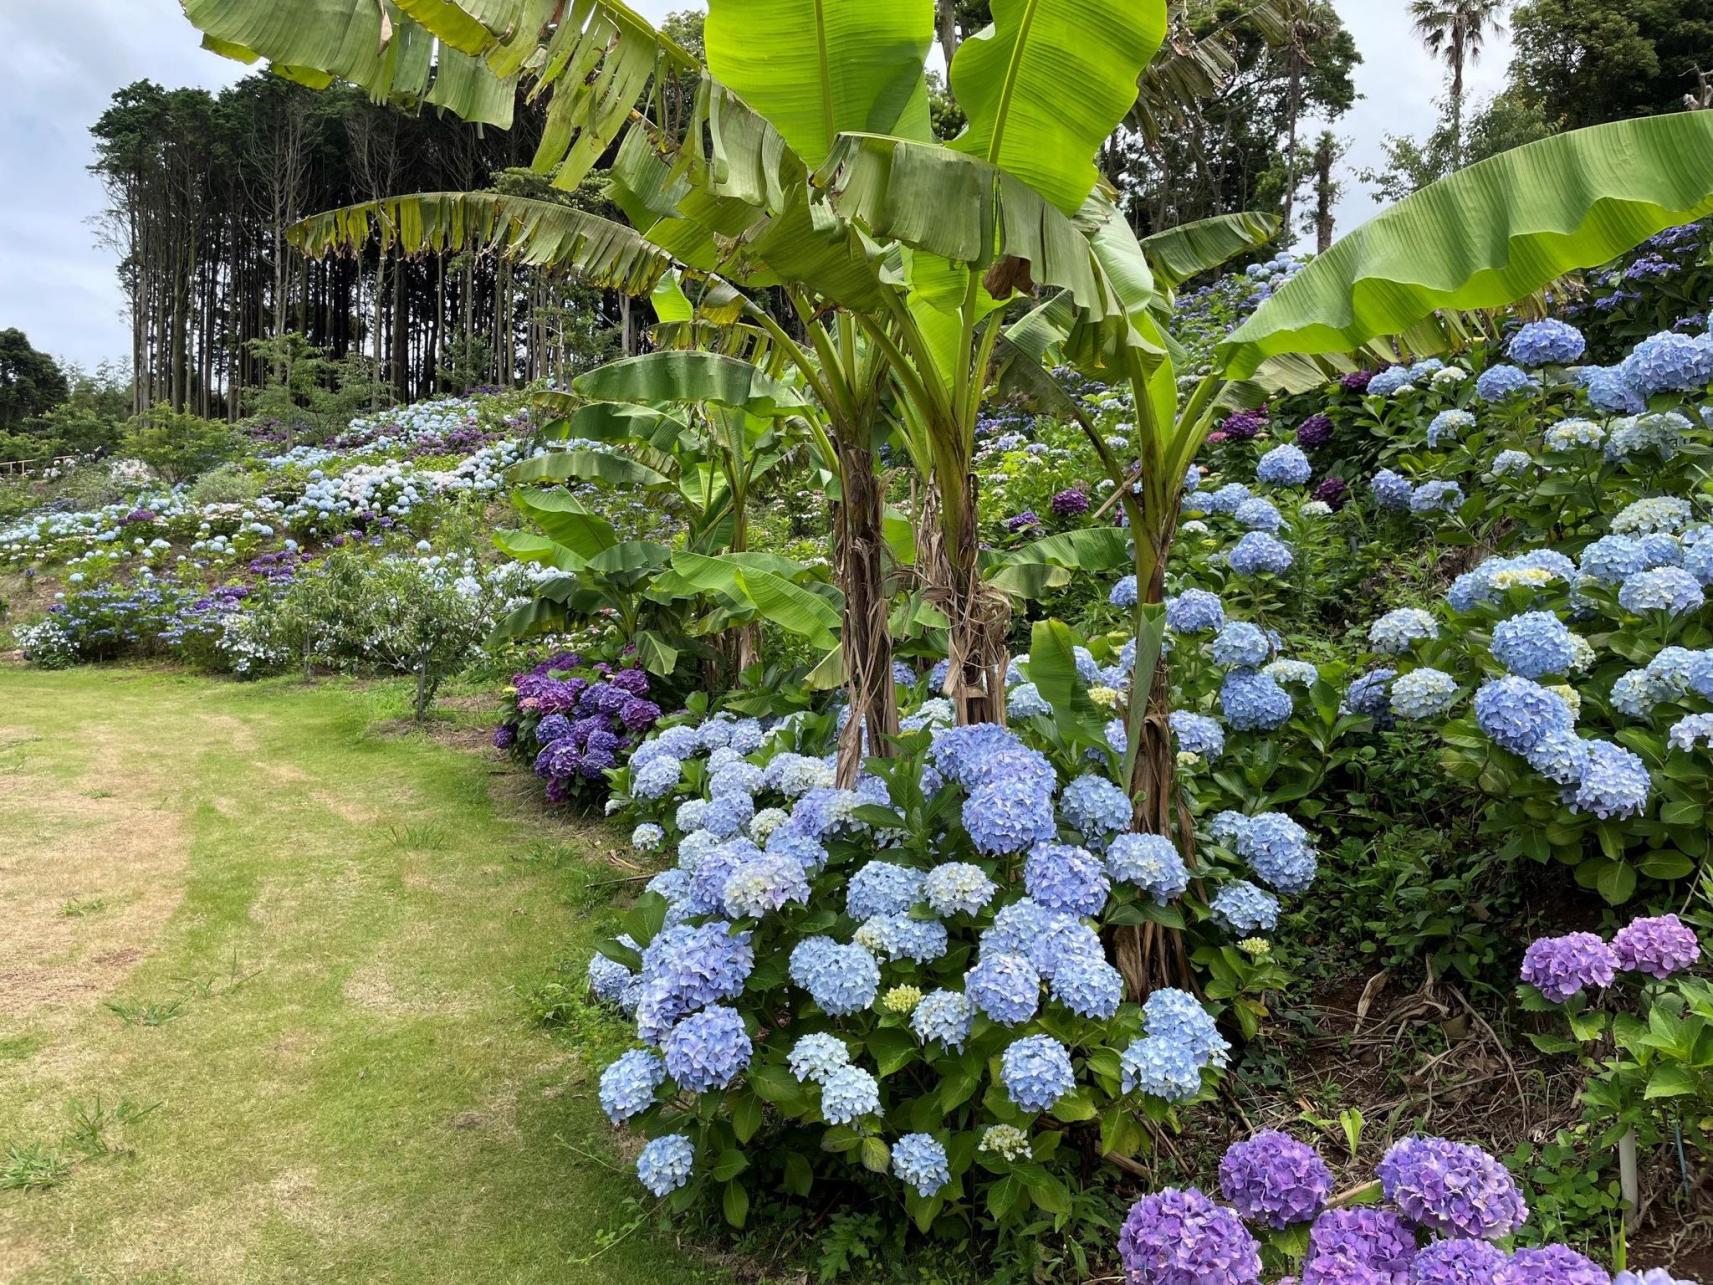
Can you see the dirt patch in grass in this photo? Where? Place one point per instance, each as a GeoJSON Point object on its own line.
{"type": "Point", "coordinates": [86, 882]}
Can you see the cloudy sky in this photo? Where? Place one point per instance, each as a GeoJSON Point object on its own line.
{"type": "Point", "coordinates": [60, 62]}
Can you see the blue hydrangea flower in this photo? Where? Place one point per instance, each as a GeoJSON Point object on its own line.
{"type": "Point", "coordinates": [736, 778]}
{"type": "Point", "coordinates": [1242, 645]}
{"type": "Point", "coordinates": [1390, 490]}
{"type": "Point", "coordinates": [1259, 515]}
{"type": "Point", "coordinates": [656, 778]}
{"type": "Point", "coordinates": [1371, 695]}
{"type": "Point", "coordinates": [1005, 988]}
{"type": "Point", "coordinates": [1390, 382]}
{"type": "Point", "coordinates": [1025, 701]}
{"type": "Point", "coordinates": [608, 978]}
{"type": "Point", "coordinates": [1095, 807]}
{"type": "Point", "coordinates": [881, 888]}
{"type": "Point", "coordinates": [1660, 435]}
{"type": "Point", "coordinates": [920, 1161]}
{"type": "Point", "coordinates": [1253, 702]}
{"type": "Point", "coordinates": [1397, 631]}
{"type": "Point", "coordinates": [1088, 986]}
{"type": "Point", "coordinates": [842, 979]}
{"type": "Point", "coordinates": [1669, 589]}
{"type": "Point", "coordinates": [1698, 561]}
{"type": "Point", "coordinates": [1225, 500]}
{"type": "Point", "coordinates": [1436, 497]}
{"type": "Point", "coordinates": [1423, 694]}
{"type": "Point", "coordinates": [958, 888]}
{"type": "Point", "coordinates": [767, 883]}
{"type": "Point", "coordinates": [1292, 673]}
{"type": "Point", "coordinates": [1448, 426]}
{"type": "Point", "coordinates": [1569, 434]}
{"type": "Point", "coordinates": [1690, 731]}
{"type": "Point", "coordinates": [1194, 611]}
{"type": "Point", "coordinates": [708, 1050]}
{"type": "Point", "coordinates": [903, 936]}
{"type": "Point", "coordinates": [1652, 515]}
{"type": "Point", "coordinates": [1150, 862]}
{"type": "Point", "coordinates": [1505, 463]}
{"type": "Point", "coordinates": [805, 851]}
{"type": "Point", "coordinates": [1612, 559]}
{"type": "Point", "coordinates": [815, 1057]}
{"type": "Point", "coordinates": [1516, 713]}
{"type": "Point", "coordinates": [1066, 878]}
{"type": "Point", "coordinates": [1156, 1066]}
{"type": "Point", "coordinates": [1009, 816]}
{"type": "Point", "coordinates": [1036, 1072]}
{"type": "Point", "coordinates": [628, 1085]}
{"type": "Point", "coordinates": [666, 1164]}
{"type": "Point", "coordinates": [1500, 383]}
{"type": "Point", "coordinates": [943, 1017]}
{"type": "Point", "coordinates": [1257, 553]}
{"type": "Point", "coordinates": [848, 1094]}
{"type": "Point", "coordinates": [1198, 734]}
{"type": "Point", "coordinates": [1547, 343]}
{"type": "Point", "coordinates": [1244, 909]}
{"type": "Point", "coordinates": [1608, 391]}
{"type": "Point", "coordinates": [1284, 466]}
{"type": "Point", "coordinates": [728, 815]}
{"type": "Point", "coordinates": [1179, 1017]}
{"type": "Point", "coordinates": [1614, 783]}
{"type": "Point", "coordinates": [1533, 645]}
{"type": "Point", "coordinates": [1123, 593]}
{"type": "Point", "coordinates": [1669, 363]}
{"type": "Point", "coordinates": [1559, 756]}
{"type": "Point", "coordinates": [1278, 851]}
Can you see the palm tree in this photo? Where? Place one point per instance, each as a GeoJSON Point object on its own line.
{"type": "Point", "coordinates": [1457, 30]}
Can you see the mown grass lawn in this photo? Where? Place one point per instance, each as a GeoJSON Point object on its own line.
{"type": "Point", "coordinates": [263, 967]}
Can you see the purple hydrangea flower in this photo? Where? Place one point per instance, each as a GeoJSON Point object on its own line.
{"type": "Point", "coordinates": [1561, 967]}
{"type": "Point", "coordinates": [1182, 1238]}
{"type": "Point", "coordinates": [1659, 947]}
{"type": "Point", "coordinates": [1315, 431]}
{"type": "Point", "coordinates": [1550, 1265]}
{"type": "Point", "coordinates": [1070, 504]}
{"type": "Point", "coordinates": [1274, 1180]}
{"type": "Point", "coordinates": [1452, 1189]}
{"type": "Point", "coordinates": [1359, 1247]}
{"type": "Point", "coordinates": [1456, 1262]}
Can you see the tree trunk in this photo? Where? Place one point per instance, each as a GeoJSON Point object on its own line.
{"type": "Point", "coordinates": [946, 28]}
{"type": "Point", "coordinates": [1326, 192]}
{"type": "Point", "coordinates": [979, 617]}
{"type": "Point", "coordinates": [860, 552]}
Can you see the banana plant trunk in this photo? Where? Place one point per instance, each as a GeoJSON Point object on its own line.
{"type": "Point", "coordinates": [1151, 956]}
{"type": "Point", "coordinates": [978, 617]}
{"type": "Point", "coordinates": [865, 639]}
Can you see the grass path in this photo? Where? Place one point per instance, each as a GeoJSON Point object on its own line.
{"type": "Point", "coordinates": [317, 935]}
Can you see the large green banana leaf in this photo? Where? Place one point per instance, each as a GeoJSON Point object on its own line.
{"type": "Point", "coordinates": [1489, 235]}
{"type": "Point", "coordinates": [566, 521]}
{"type": "Point", "coordinates": [539, 233]}
{"type": "Point", "coordinates": [587, 466]}
{"type": "Point", "coordinates": [1048, 82]}
{"type": "Point", "coordinates": [757, 579]}
{"type": "Point", "coordinates": [657, 378]}
{"type": "Point", "coordinates": [820, 68]}
{"type": "Point", "coordinates": [1191, 249]}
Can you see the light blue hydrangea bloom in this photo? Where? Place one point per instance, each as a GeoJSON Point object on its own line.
{"type": "Point", "coordinates": [1292, 673]}
{"type": "Point", "coordinates": [842, 979]}
{"type": "Point", "coordinates": [1095, 808]}
{"type": "Point", "coordinates": [1448, 426]}
{"type": "Point", "coordinates": [1547, 343]}
{"type": "Point", "coordinates": [647, 837]}
{"type": "Point", "coordinates": [881, 888]}
{"type": "Point", "coordinates": [1669, 363]}
{"type": "Point", "coordinates": [728, 815]}
{"type": "Point", "coordinates": [608, 978]}
{"type": "Point", "coordinates": [708, 1050]}
{"type": "Point", "coordinates": [815, 1057]}
{"type": "Point", "coordinates": [1397, 631]}
{"type": "Point", "coordinates": [1559, 756]}
{"type": "Point", "coordinates": [1436, 497]}
{"type": "Point", "coordinates": [1278, 851]}
{"type": "Point", "coordinates": [1259, 515]}
{"type": "Point", "coordinates": [1243, 908]}
{"type": "Point", "coordinates": [1062, 877]}
{"type": "Point", "coordinates": [903, 936]}
{"type": "Point", "coordinates": [1194, 611]}
{"type": "Point", "coordinates": [1390, 490]}
{"type": "Point", "coordinates": [1698, 561]}
{"type": "Point", "coordinates": [1500, 383]}
{"type": "Point", "coordinates": [656, 778]}
{"type": "Point", "coordinates": [1226, 500]}
{"type": "Point", "coordinates": [1533, 645]}
{"type": "Point", "coordinates": [1123, 593]}
{"type": "Point", "coordinates": [1284, 466]}
{"type": "Point", "coordinates": [628, 1085]}
{"type": "Point", "coordinates": [1198, 734]}
{"type": "Point", "coordinates": [1690, 731]}
{"type": "Point", "coordinates": [1608, 391]}
{"type": "Point", "coordinates": [1036, 1072]}
{"type": "Point", "coordinates": [1253, 702]}
{"type": "Point", "coordinates": [1241, 645]}
{"type": "Point", "coordinates": [1150, 862]}
{"type": "Point", "coordinates": [1517, 712]}
{"type": "Point", "coordinates": [1570, 434]}
{"type": "Point", "coordinates": [848, 1094]}
{"type": "Point", "coordinates": [1656, 513]}
{"type": "Point", "coordinates": [1159, 1068]}
{"type": "Point", "coordinates": [1669, 589]}
{"type": "Point", "coordinates": [1025, 701]}
{"type": "Point", "coordinates": [1614, 783]}
{"type": "Point", "coordinates": [943, 1017]}
{"type": "Point", "coordinates": [1506, 463]}
{"type": "Point", "coordinates": [1390, 382]}
{"type": "Point", "coordinates": [958, 888]}
{"type": "Point", "coordinates": [1009, 816]}
{"type": "Point", "coordinates": [1423, 694]}
{"type": "Point", "coordinates": [1259, 553]}
{"type": "Point", "coordinates": [920, 1161]}
{"type": "Point", "coordinates": [1005, 988]}
{"type": "Point", "coordinates": [1088, 986]}
{"type": "Point", "coordinates": [765, 884]}
{"type": "Point", "coordinates": [1179, 1017]}
{"type": "Point", "coordinates": [666, 1164]}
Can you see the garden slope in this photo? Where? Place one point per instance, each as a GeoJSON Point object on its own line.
{"type": "Point", "coordinates": [348, 1086]}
